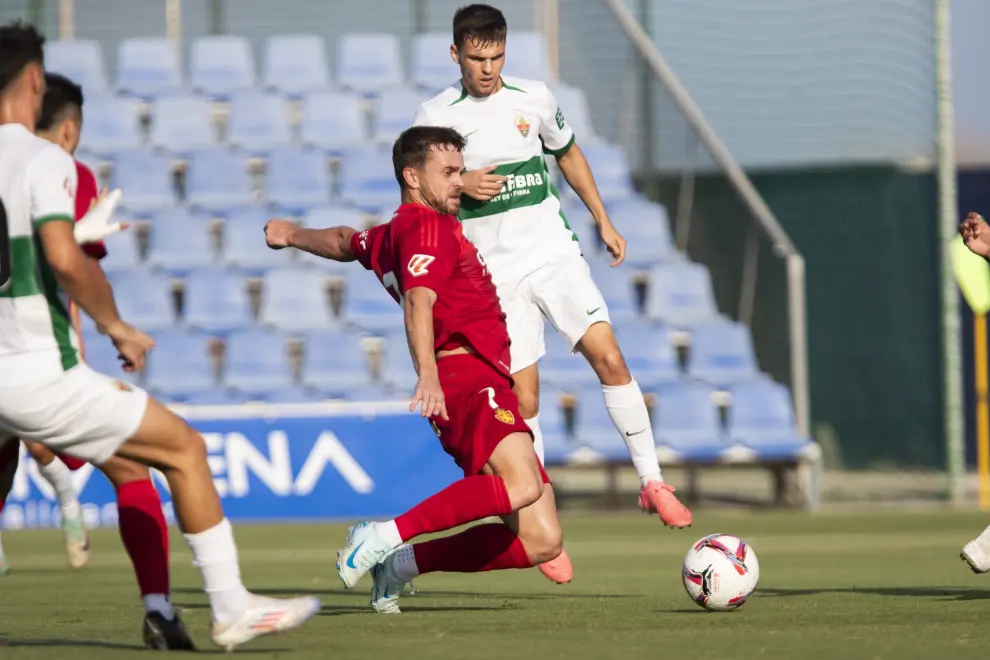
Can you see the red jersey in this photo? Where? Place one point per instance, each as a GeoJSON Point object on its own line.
{"type": "Point", "coordinates": [420, 247]}
{"type": "Point", "coordinates": [87, 190]}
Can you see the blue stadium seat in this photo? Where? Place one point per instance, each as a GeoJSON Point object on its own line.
{"type": "Point", "coordinates": [368, 63]}
{"type": "Point", "coordinates": [220, 65]}
{"type": "Point", "coordinates": [368, 180]}
{"type": "Point", "coordinates": [397, 366]}
{"type": "Point", "coordinates": [179, 242]}
{"type": "Point", "coordinates": [335, 363]}
{"type": "Point", "coordinates": [611, 169]}
{"type": "Point", "coordinates": [244, 242]}
{"type": "Point", "coordinates": [81, 61]}
{"type": "Point", "coordinates": [574, 105]}
{"type": "Point", "coordinates": [649, 353]}
{"type": "Point", "coordinates": [297, 179]}
{"type": "Point", "coordinates": [331, 216]}
{"type": "Point", "coordinates": [761, 417]}
{"type": "Point", "coordinates": [111, 125]}
{"type": "Point", "coordinates": [559, 367]}
{"type": "Point", "coordinates": [295, 64]}
{"type": "Point", "coordinates": [431, 67]}
{"type": "Point", "coordinates": [685, 420]}
{"type": "Point", "coordinates": [144, 299]}
{"type": "Point", "coordinates": [527, 56]}
{"type": "Point", "coordinates": [146, 180]}
{"type": "Point", "coordinates": [256, 362]}
{"type": "Point", "coordinates": [102, 356]}
{"type": "Point", "coordinates": [122, 250]}
{"type": "Point", "coordinates": [646, 228]}
{"type": "Point", "coordinates": [722, 353]}
{"type": "Point", "coordinates": [332, 121]}
{"type": "Point", "coordinates": [180, 365]}
{"type": "Point", "coordinates": [182, 123]}
{"type": "Point", "coordinates": [368, 306]}
{"type": "Point", "coordinates": [616, 285]}
{"type": "Point", "coordinates": [295, 299]}
{"type": "Point", "coordinates": [259, 121]}
{"type": "Point", "coordinates": [296, 394]}
{"type": "Point", "coordinates": [680, 294]}
{"type": "Point", "coordinates": [395, 110]}
{"type": "Point", "coordinates": [559, 442]}
{"type": "Point", "coordinates": [217, 179]}
{"type": "Point", "coordinates": [216, 301]}
{"type": "Point", "coordinates": [148, 67]}
{"type": "Point", "coordinates": [594, 426]}
{"type": "Point", "coordinates": [217, 397]}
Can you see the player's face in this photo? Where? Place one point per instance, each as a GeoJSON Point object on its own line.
{"type": "Point", "coordinates": [69, 135]}
{"type": "Point", "coordinates": [440, 180]}
{"type": "Point", "coordinates": [481, 65]}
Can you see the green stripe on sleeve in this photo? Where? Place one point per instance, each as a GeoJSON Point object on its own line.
{"type": "Point", "coordinates": [557, 153]}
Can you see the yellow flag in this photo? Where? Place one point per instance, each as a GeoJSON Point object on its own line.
{"type": "Point", "coordinates": [972, 275]}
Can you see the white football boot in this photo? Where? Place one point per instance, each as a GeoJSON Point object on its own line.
{"type": "Point", "coordinates": [387, 586]}
{"type": "Point", "coordinates": [365, 548]}
{"type": "Point", "coordinates": [977, 552]}
{"type": "Point", "coordinates": [4, 568]}
{"type": "Point", "coordinates": [264, 616]}
{"type": "Point", "coordinates": [76, 540]}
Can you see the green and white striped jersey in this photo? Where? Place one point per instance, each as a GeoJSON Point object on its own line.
{"type": "Point", "coordinates": [523, 227]}
{"type": "Point", "coordinates": [37, 185]}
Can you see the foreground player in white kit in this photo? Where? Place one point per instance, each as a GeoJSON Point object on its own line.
{"type": "Point", "coordinates": [48, 395]}
{"type": "Point", "coordinates": [511, 212]}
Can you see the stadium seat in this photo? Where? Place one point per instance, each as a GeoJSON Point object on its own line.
{"type": "Point", "coordinates": [180, 365]}
{"type": "Point", "coordinates": [297, 179]}
{"type": "Point", "coordinates": [649, 352]}
{"type": "Point", "coordinates": [617, 287]}
{"type": "Point", "coordinates": [122, 250]}
{"type": "Point", "coordinates": [244, 244]}
{"type": "Point", "coordinates": [111, 125]}
{"type": "Point", "coordinates": [217, 397]}
{"type": "Point", "coordinates": [685, 420]}
{"type": "Point", "coordinates": [146, 180]}
{"type": "Point", "coordinates": [295, 299]}
{"type": "Point", "coordinates": [574, 105]}
{"type": "Point", "coordinates": [101, 355]}
{"type": "Point", "coordinates": [256, 363]}
{"type": "Point", "coordinates": [593, 424]}
{"type": "Point", "coordinates": [220, 65]}
{"type": "Point", "coordinates": [148, 67]}
{"type": "Point", "coordinates": [179, 242]}
{"type": "Point", "coordinates": [368, 63]}
{"type": "Point", "coordinates": [295, 64]}
{"type": "Point", "coordinates": [394, 112]}
{"type": "Point", "coordinates": [368, 306]}
{"type": "Point", "coordinates": [144, 298]}
{"type": "Point", "coordinates": [367, 180]}
{"type": "Point", "coordinates": [397, 366]}
{"type": "Point", "coordinates": [611, 169]}
{"type": "Point", "coordinates": [296, 394]}
{"type": "Point", "coordinates": [217, 179]}
{"type": "Point", "coordinates": [81, 61]}
{"type": "Point", "coordinates": [431, 66]}
{"type": "Point", "coordinates": [646, 228]}
{"type": "Point", "coordinates": [335, 363]}
{"type": "Point", "coordinates": [259, 121]}
{"type": "Point", "coordinates": [216, 301]}
{"type": "Point", "coordinates": [722, 353]}
{"type": "Point", "coordinates": [559, 444]}
{"type": "Point", "coordinates": [332, 121]}
{"type": "Point", "coordinates": [181, 124]}
{"type": "Point", "coordinates": [761, 416]}
{"type": "Point", "coordinates": [559, 367]}
{"type": "Point", "coordinates": [527, 56]}
{"type": "Point", "coordinates": [331, 216]}
{"type": "Point", "coordinates": [680, 294]}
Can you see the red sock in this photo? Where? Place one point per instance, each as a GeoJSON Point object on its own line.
{"type": "Point", "coordinates": [145, 534]}
{"type": "Point", "coordinates": [464, 501]}
{"type": "Point", "coordinates": [491, 547]}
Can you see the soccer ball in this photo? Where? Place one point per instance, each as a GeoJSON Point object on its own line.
{"type": "Point", "coordinates": [720, 572]}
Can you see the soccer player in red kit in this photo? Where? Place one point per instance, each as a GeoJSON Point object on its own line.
{"type": "Point", "coordinates": [142, 525]}
{"type": "Point", "coordinates": [459, 343]}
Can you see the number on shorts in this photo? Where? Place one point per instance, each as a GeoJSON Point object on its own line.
{"type": "Point", "coordinates": [392, 284]}
{"type": "Point", "coordinates": [491, 397]}
{"type": "Point", "coordinates": [5, 258]}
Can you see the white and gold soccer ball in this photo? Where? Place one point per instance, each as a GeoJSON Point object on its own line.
{"type": "Point", "coordinates": [720, 572]}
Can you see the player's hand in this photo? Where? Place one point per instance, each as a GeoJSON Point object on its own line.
{"type": "Point", "coordinates": [975, 233]}
{"type": "Point", "coordinates": [481, 184]}
{"type": "Point", "coordinates": [277, 233]}
{"type": "Point", "coordinates": [132, 345]}
{"type": "Point", "coordinates": [430, 394]}
{"type": "Point", "coordinates": [614, 243]}
{"type": "Point", "coordinates": [95, 225]}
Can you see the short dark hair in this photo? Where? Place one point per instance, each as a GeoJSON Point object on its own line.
{"type": "Point", "coordinates": [20, 45]}
{"type": "Point", "coordinates": [414, 145]}
{"type": "Point", "coordinates": [481, 23]}
{"type": "Point", "coordinates": [62, 96]}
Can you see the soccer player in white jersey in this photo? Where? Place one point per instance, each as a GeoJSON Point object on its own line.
{"type": "Point", "coordinates": [48, 395]}
{"type": "Point", "coordinates": [511, 212]}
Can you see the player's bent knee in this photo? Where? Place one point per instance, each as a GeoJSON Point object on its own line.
{"type": "Point", "coordinates": [544, 543]}
{"type": "Point", "coordinates": [523, 491]}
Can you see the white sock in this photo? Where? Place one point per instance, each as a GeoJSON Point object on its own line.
{"type": "Point", "coordinates": [534, 425]}
{"type": "Point", "coordinates": [215, 554]}
{"type": "Point", "coordinates": [405, 563]}
{"type": "Point", "coordinates": [159, 603]}
{"type": "Point", "coordinates": [389, 531]}
{"type": "Point", "coordinates": [628, 411]}
{"type": "Point", "coordinates": [60, 477]}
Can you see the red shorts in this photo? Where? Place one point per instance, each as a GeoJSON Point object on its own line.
{"type": "Point", "coordinates": [482, 408]}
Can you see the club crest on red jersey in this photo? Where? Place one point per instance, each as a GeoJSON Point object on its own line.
{"type": "Point", "coordinates": [522, 125]}
{"type": "Point", "coordinates": [418, 264]}
{"type": "Point", "coordinates": [505, 416]}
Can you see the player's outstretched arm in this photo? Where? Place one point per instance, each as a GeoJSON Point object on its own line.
{"type": "Point", "coordinates": [418, 306]}
{"type": "Point", "coordinates": [332, 243]}
{"type": "Point", "coordinates": [577, 173]}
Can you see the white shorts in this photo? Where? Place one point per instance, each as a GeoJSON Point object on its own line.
{"type": "Point", "coordinates": [81, 413]}
{"type": "Point", "coordinates": [564, 292]}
